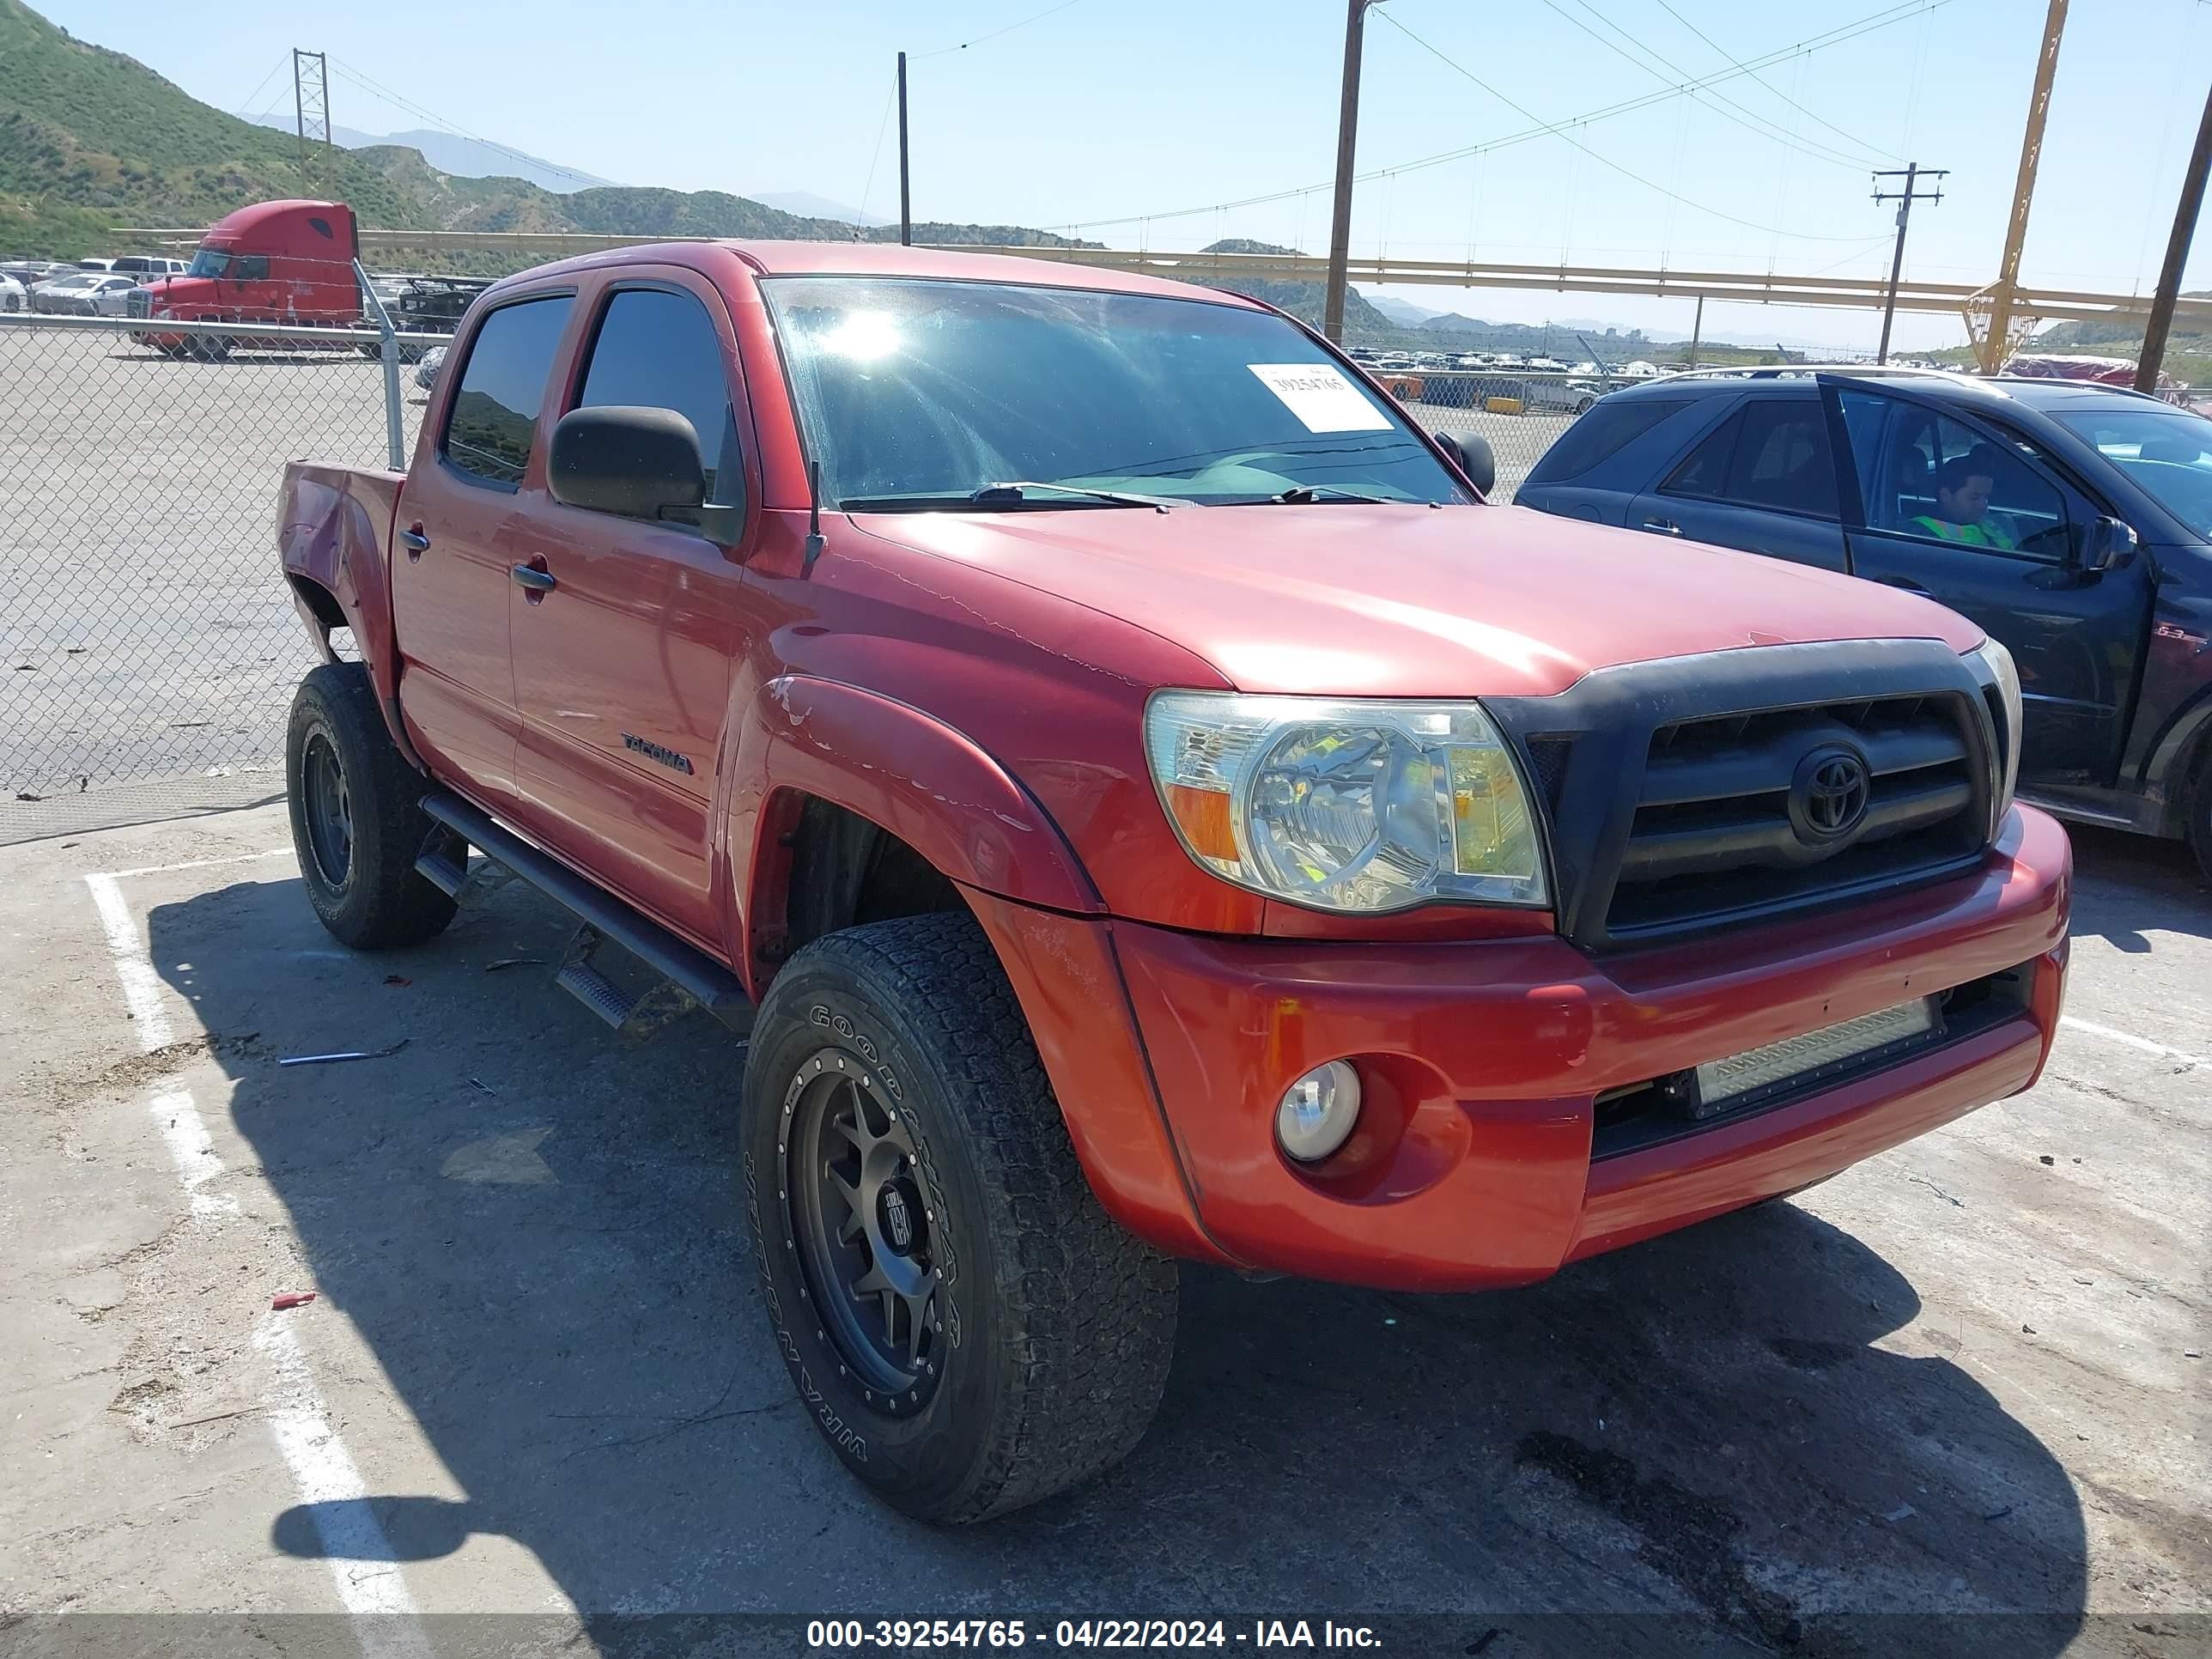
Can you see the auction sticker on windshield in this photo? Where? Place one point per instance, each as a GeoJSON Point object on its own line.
{"type": "Point", "coordinates": [1319, 395]}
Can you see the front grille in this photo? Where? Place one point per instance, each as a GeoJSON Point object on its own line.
{"type": "Point", "coordinates": [1685, 795]}
{"type": "Point", "coordinates": [138, 303]}
{"type": "Point", "coordinates": [1715, 835]}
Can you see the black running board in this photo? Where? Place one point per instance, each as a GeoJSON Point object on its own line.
{"type": "Point", "coordinates": [698, 975]}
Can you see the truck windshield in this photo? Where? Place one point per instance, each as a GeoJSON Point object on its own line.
{"type": "Point", "coordinates": [209, 262]}
{"type": "Point", "coordinates": [920, 395]}
{"type": "Point", "coordinates": [2166, 451]}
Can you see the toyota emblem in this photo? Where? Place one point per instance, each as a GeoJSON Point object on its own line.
{"type": "Point", "coordinates": [1828, 796]}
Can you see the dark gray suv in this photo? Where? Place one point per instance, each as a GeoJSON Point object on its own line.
{"type": "Point", "coordinates": [2072, 522]}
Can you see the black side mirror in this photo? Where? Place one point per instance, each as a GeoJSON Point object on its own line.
{"type": "Point", "coordinates": [1472, 456]}
{"type": "Point", "coordinates": [2103, 543]}
{"type": "Point", "coordinates": [640, 463]}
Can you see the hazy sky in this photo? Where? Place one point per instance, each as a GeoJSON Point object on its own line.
{"type": "Point", "coordinates": [1109, 110]}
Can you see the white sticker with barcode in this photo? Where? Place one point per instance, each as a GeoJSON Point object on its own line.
{"type": "Point", "coordinates": [1320, 396]}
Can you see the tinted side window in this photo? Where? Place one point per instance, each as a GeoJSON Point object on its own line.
{"type": "Point", "coordinates": [253, 268]}
{"type": "Point", "coordinates": [495, 412]}
{"type": "Point", "coordinates": [1782, 458]}
{"type": "Point", "coordinates": [1705, 472]}
{"type": "Point", "coordinates": [1607, 428]}
{"type": "Point", "coordinates": [659, 350]}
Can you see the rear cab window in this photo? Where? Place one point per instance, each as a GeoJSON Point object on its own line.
{"type": "Point", "coordinates": [493, 420]}
{"type": "Point", "coordinates": [1603, 433]}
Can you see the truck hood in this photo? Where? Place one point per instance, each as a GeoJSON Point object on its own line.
{"type": "Point", "coordinates": [1414, 600]}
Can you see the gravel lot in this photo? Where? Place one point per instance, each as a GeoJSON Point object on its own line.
{"type": "Point", "coordinates": [144, 630]}
{"type": "Point", "coordinates": [1948, 1402]}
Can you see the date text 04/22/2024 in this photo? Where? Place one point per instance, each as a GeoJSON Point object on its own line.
{"type": "Point", "coordinates": [831, 1634]}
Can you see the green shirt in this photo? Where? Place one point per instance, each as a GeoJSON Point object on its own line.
{"type": "Point", "coordinates": [1968, 535]}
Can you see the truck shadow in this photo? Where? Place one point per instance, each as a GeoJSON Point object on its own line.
{"type": "Point", "coordinates": [533, 1228]}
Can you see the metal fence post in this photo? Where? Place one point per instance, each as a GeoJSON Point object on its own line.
{"type": "Point", "coordinates": [394, 429]}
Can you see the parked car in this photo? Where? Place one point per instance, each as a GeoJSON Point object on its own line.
{"type": "Point", "coordinates": [1185, 821]}
{"type": "Point", "coordinates": [145, 265]}
{"type": "Point", "coordinates": [14, 296]}
{"type": "Point", "coordinates": [31, 272]}
{"type": "Point", "coordinates": [99, 265]}
{"type": "Point", "coordinates": [87, 293]}
{"type": "Point", "coordinates": [2091, 559]}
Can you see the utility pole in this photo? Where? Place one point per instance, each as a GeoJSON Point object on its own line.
{"type": "Point", "coordinates": [906, 199]}
{"type": "Point", "coordinates": [2177, 254]}
{"type": "Point", "coordinates": [1912, 173]}
{"type": "Point", "coordinates": [311, 110]}
{"type": "Point", "coordinates": [2023, 191]}
{"type": "Point", "coordinates": [1697, 332]}
{"type": "Point", "coordinates": [1347, 145]}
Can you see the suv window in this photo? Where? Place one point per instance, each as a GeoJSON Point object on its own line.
{"type": "Point", "coordinates": [658, 350]}
{"type": "Point", "coordinates": [1772, 454]}
{"type": "Point", "coordinates": [495, 412]}
{"type": "Point", "coordinates": [1940, 480]}
{"type": "Point", "coordinates": [1603, 433]}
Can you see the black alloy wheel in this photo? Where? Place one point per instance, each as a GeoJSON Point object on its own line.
{"type": "Point", "coordinates": [864, 1232]}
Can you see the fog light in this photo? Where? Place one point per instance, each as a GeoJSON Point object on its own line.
{"type": "Point", "coordinates": [1318, 1111]}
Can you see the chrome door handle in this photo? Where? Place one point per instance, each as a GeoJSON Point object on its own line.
{"type": "Point", "coordinates": [529, 576]}
{"type": "Point", "coordinates": [414, 541]}
{"type": "Point", "coordinates": [1664, 527]}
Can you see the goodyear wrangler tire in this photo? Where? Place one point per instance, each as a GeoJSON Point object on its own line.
{"type": "Point", "coordinates": [357, 823]}
{"type": "Point", "coordinates": [965, 1325]}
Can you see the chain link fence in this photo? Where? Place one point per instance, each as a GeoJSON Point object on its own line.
{"type": "Point", "coordinates": [145, 631]}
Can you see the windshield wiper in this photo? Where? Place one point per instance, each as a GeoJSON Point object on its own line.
{"type": "Point", "coordinates": [1117, 497]}
{"type": "Point", "coordinates": [1297, 494]}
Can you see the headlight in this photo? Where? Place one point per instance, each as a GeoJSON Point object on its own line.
{"type": "Point", "coordinates": [1346, 805]}
{"type": "Point", "coordinates": [1994, 667]}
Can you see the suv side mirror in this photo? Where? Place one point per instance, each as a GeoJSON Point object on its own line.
{"type": "Point", "coordinates": [640, 463]}
{"type": "Point", "coordinates": [1472, 455]}
{"type": "Point", "coordinates": [2104, 542]}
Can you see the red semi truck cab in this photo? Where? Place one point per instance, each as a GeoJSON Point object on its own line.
{"type": "Point", "coordinates": [1144, 803]}
{"type": "Point", "coordinates": [288, 262]}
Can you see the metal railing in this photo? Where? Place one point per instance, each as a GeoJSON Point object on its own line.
{"type": "Point", "coordinates": [146, 631]}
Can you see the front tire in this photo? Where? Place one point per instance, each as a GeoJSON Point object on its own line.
{"type": "Point", "coordinates": [357, 823]}
{"type": "Point", "coordinates": [965, 1324]}
{"type": "Point", "coordinates": [2198, 806]}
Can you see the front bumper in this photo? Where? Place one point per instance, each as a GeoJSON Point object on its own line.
{"type": "Point", "coordinates": [1485, 1062]}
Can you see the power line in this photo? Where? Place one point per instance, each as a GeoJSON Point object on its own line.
{"type": "Point", "coordinates": [1898, 12]}
{"type": "Point", "coordinates": [1802, 109]}
{"type": "Point", "coordinates": [435, 119]}
{"type": "Point", "coordinates": [877, 154]}
{"type": "Point", "coordinates": [962, 45]}
{"type": "Point", "coordinates": [1605, 160]}
{"type": "Point", "coordinates": [1750, 120]}
{"type": "Point", "coordinates": [247, 103]}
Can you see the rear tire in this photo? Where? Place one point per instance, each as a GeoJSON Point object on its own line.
{"type": "Point", "coordinates": [357, 823]}
{"type": "Point", "coordinates": [965, 1324]}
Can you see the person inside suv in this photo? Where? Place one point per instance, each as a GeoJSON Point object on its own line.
{"type": "Point", "coordinates": [1963, 484]}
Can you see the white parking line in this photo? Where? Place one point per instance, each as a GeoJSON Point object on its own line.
{"type": "Point", "coordinates": [199, 864]}
{"type": "Point", "coordinates": [178, 1117]}
{"type": "Point", "coordinates": [2130, 1040]}
{"type": "Point", "coordinates": [385, 1621]}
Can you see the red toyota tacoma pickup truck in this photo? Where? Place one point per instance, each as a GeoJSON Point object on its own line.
{"type": "Point", "coordinates": [1144, 805]}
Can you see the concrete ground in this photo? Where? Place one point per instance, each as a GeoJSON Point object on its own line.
{"type": "Point", "coordinates": [1953, 1400]}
